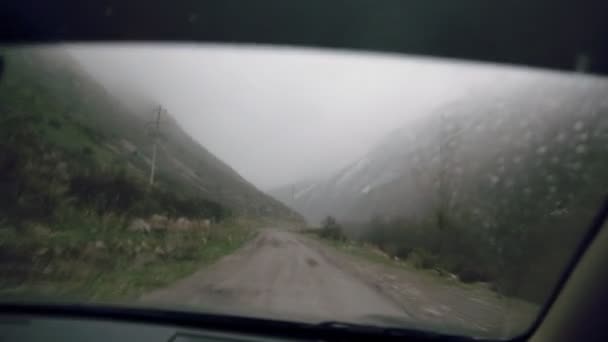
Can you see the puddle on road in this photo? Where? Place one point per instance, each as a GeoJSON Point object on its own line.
{"type": "Point", "coordinates": [312, 262]}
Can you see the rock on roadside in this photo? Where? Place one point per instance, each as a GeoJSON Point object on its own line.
{"type": "Point", "coordinates": [139, 225]}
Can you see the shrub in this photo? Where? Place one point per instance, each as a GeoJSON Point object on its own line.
{"type": "Point", "coordinates": [56, 124]}
{"type": "Point", "coordinates": [105, 192]}
{"type": "Point", "coordinates": [471, 274]}
{"type": "Point", "coordinates": [420, 258]}
{"type": "Point", "coordinates": [332, 230]}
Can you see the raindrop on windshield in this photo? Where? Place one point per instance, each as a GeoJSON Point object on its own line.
{"type": "Point", "coordinates": [576, 166]}
{"type": "Point", "coordinates": [580, 149]}
{"type": "Point", "coordinates": [541, 150]}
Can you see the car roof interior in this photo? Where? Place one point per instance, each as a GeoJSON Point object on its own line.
{"type": "Point", "coordinates": [558, 35]}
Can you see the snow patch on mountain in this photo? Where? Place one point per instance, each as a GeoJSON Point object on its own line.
{"type": "Point", "coordinates": [304, 191]}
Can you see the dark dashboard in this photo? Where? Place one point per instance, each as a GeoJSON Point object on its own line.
{"type": "Point", "coordinates": [35, 328]}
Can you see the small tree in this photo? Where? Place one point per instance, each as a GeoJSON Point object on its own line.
{"type": "Point", "coordinates": [331, 229]}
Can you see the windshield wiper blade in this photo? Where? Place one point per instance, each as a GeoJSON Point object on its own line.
{"type": "Point", "coordinates": [411, 333]}
{"type": "Point", "coordinates": [327, 331]}
{"type": "Point", "coordinates": [352, 327]}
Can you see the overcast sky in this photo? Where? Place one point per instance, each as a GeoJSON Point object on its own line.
{"type": "Point", "coordinates": [281, 115]}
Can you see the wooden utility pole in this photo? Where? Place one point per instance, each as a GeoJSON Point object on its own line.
{"type": "Point", "coordinates": [154, 145]}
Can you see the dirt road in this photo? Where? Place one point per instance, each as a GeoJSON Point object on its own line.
{"type": "Point", "coordinates": [286, 275]}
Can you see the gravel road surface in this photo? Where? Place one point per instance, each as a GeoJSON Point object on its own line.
{"type": "Point", "coordinates": [286, 275]}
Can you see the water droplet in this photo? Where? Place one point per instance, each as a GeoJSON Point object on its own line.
{"type": "Point", "coordinates": [541, 150]}
{"type": "Point", "coordinates": [578, 125]}
{"type": "Point", "coordinates": [580, 149]}
{"type": "Point", "coordinates": [555, 160]}
{"type": "Point", "coordinates": [583, 136]}
{"type": "Point", "coordinates": [517, 159]}
{"type": "Point", "coordinates": [561, 137]}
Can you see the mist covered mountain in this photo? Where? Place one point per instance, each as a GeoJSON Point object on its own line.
{"type": "Point", "coordinates": [497, 139]}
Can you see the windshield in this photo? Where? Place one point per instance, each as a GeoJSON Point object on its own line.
{"type": "Point", "coordinates": [295, 184]}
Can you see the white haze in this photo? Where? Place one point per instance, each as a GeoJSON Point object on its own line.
{"type": "Point", "coordinates": [281, 115]}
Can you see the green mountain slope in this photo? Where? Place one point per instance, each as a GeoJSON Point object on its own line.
{"type": "Point", "coordinates": [64, 125]}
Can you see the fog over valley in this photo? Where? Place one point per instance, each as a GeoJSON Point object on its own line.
{"type": "Point", "coordinates": [283, 115]}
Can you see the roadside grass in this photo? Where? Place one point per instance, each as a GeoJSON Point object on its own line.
{"type": "Point", "coordinates": [360, 250]}
{"type": "Point", "coordinates": [373, 254]}
{"type": "Point", "coordinates": [100, 260]}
